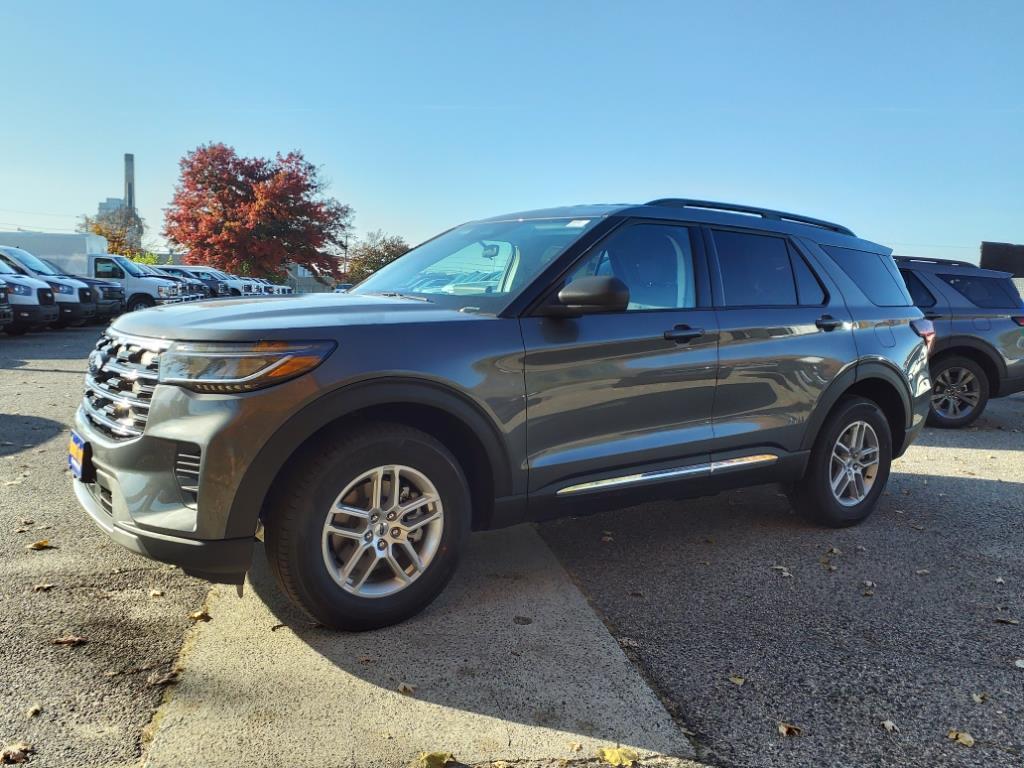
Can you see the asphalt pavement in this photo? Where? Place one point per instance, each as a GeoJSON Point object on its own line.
{"type": "Point", "coordinates": [688, 629]}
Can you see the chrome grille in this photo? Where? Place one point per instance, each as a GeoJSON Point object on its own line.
{"type": "Point", "coordinates": [123, 373]}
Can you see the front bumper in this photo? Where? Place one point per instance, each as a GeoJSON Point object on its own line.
{"type": "Point", "coordinates": [73, 311]}
{"type": "Point", "coordinates": [6, 314]}
{"type": "Point", "coordinates": [35, 314]}
{"type": "Point", "coordinates": [109, 308]}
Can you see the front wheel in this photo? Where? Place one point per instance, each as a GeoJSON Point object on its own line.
{"type": "Point", "coordinates": [960, 391]}
{"type": "Point", "coordinates": [848, 467]}
{"type": "Point", "coordinates": [365, 529]}
{"type": "Point", "coordinates": [140, 302]}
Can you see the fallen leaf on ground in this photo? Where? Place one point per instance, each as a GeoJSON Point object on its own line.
{"type": "Point", "coordinates": [788, 729]}
{"type": "Point", "coordinates": [434, 760]}
{"type": "Point", "coordinates": [922, 572]}
{"type": "Point", "coordinates": [36, 546]}
{"type": "Point", "coordinates": [200, 615]}
{"type": "Point", "coordinates": [1006, 620]}
{"type": "Point", "coordinates": [33, 711]}
{"type": "Point", "coordinates": [72, 641]}
{"type": "Point", "coordinates": [861, 548]}
{"type": "Point", "coordinates": [406, 690]}
{"type": "Point", "coordinates": [43, 587]}
{"type": "Point", "coordinates": [522, 620]}
{"type": "Point", "coordinates": [168, 678]}
{"type": "Point", "coordinates": [628, 642]}
{"type": "Point", "coordinates": [27, 521]}
{"type": "Point", "coordinates": [917, 526]}
{"type": "Point", "coordinates": [575, 746]}
{"type": "Point", "coordinates": [737, 680]}
{"type": "Point", "coordinates": [636, 594]}
{"type": "Point", "coordinates": [16, 753]}
{"type": "Point", "coordinates": [366, 660]}
{"type": "Point", "coordinates": [623, 756]}
{"type": "Point", "coordinates": [277, 627]}
{"type": "Point", "coordinates": [834, 551]}
{"type": "Point", "coordinates": [890, 726]}
{"type": "Point", "coordinates": [979, 698]}
{"type": "Point", "coordinates": [156, 593]}
{"type": "Point", "coordinates": [960, 736]}
{"type": "Point", "coordinates": [783, 571]}
{"type": "Point", "coordinates": [1019, 663]}
{"type": "Point", "coordinates": [1000, 580]}
{"type": "Point", "coordinates": [607, 539]}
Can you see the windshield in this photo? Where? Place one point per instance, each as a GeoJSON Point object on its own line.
{"type": "Point", "coordinates": [31, 262]}
{"type": "Point", "coordinates": [5, 268]}
{"type": "Point", "coordinates": [482, 264]}
{"type": "Point", "coordinates": [130, 266]}
{"type": "Point", "coordinates": [56, 270]}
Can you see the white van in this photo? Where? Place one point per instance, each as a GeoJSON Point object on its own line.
{"type": "Point", "coordinates": [32, 302]}
{"type": "Point", "coordinates": [74, 298]}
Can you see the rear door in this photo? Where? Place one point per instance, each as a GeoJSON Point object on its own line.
{"type": "Point", "coordinates": [610, 394]}
{"type": "Point", "coordinates": [785, 334]}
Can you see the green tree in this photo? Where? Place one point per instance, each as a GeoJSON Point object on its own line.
{"type": "Point", "coordinates": [374, 251]}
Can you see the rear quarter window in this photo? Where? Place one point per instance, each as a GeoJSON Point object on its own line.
{"type": "Point", "coordinates": [874, 273]}
{"type": "Point", "coordinates": [920, 294]}
{"type": "Point", "coordinates": [986, 292]}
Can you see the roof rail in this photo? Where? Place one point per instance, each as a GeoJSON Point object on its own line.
{"type": "Point", "coordinates": [925, 260]}
{"type": "Point", "coordinates": [764, 213]}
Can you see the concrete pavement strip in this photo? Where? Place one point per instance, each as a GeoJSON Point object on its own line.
{"type": "Point", "coordinates": [509, 664]}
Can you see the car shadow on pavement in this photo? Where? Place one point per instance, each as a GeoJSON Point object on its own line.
{"type": "Point", "coordinates": [21, 433]}
{"type": "Point", "coordinates": [510, 654]}
{"type": "Point", "coordinates": [65, 344]}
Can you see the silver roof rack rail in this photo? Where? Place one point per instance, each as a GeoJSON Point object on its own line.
{"type": "Point", "coordinates": [764, 213]}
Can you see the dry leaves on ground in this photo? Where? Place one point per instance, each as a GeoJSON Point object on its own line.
{"type": "Point", "coordinates": [168, 678]}
{"type": "Point", "coordinates": [922, 572]}
{"type": "Point", "coordinates": [890, 726]}
{"type": "Point", "coordinates": [522, 620]}
{"type": "Point", "coordinates": [16, 753]}
{"type": "Point", "coordinates": [34, 711]}
{"type": "Point", "coordinates": [737, 680]}
{"type": "Point", "coordinates": [783, 571]}
{"type": "Point", "coordinates": [979, 698]}
{"type": "Point", "coordinates": [72, 641]}
{"type": "Point", "coordinates": [200, 615]}
{"type": "Point", "coordinates": [575, 746]}
{"type": "Point", "coordinates": [622, 756]}
{"type": "Point", "coordinates": [156, 593]}
{"type": "Point", "coordinates": [963, 737]}
{"type": "Point", "coordinates": [43, 587]}
{"type": "Point", "coordinates": [788, 729]}
{"type": "Point", "coordinates": [434, 760]}
{"type": "Point", "coordinates": [628, 642]}
{"type": "Point", "coordinates": [1019, 663]}
{"type": "Point", "coordinates": [37, 546]}
{"type": "Point", "coordinates": [406, 689]}
{"type": "Point", "coordinates": [1000, 580]}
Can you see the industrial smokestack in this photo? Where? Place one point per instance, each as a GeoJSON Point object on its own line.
{"type": "Point", "coordinates": [129, 181]}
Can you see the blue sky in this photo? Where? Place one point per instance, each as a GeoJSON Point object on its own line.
{"type": "Point", "coordinates": [902, 120]}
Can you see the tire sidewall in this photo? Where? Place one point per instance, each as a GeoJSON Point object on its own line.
{"type": "Point", "coordinates": [937, 420]}
{"type": "Point", "coordinates": [830, 511]}
{"type": "Point", "coordinates": [338, 607]}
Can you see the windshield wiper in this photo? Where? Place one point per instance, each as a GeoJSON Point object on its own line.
{"type": "Point", "coordinates": [396, 294]}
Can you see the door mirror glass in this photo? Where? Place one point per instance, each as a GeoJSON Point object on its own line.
{"type": "Point", "coordinates": [589, 295]}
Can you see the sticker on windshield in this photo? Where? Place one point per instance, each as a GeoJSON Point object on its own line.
{"type": "Point", "coordinates": [576, 223]}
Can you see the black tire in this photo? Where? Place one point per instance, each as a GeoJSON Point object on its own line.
{"type": "Point", "coordinates": [235, 292]}
{"type": "Point", "coordinates": [939, 412]}
{"type": "Point", "coordinates": [296, 513]}
{"type": "Point", "coordinates": [812, 495]}
{"type": "Point", "coordinates": [140, 302]}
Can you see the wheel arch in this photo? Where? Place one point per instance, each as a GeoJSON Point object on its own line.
{"type": "Point", "coordinates": [879, 382]}
{"type": "Point", "coordinates": [978, 351]}
{"type": "Point", "coordinates": [458, 422]}
{"type": "Point", "coordinates": [140, 295]}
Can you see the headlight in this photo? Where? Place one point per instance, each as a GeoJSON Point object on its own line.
{"type": "Point", "coordinates": [21, 290]}
{"type": "Point", "coordinates": [163, 291]}
{"type": "Point", "coordinates": [239, 367]}
{"type": "Point", "coordinates": [60, 288]}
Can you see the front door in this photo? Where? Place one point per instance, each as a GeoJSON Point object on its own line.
{"type": "Point", "coordinates": [621, 392]}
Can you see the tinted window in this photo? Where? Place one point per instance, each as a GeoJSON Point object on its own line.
{"type": "Point", "coordinates": [874, 273]}
{"type": "Point", "coordinates": [107, 268]}
{"type": "Point", "coordinates": [808, 289]}
{"type": "Point", "coordinates": [919, 293]}
{"type": "Point", "coordinates": [654, 260]}
{"type": "Point", "coordinates": [755, 270]}
{"type": "Point", "coordinates": [993, 292]}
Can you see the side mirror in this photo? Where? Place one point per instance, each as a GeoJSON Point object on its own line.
{"type": "Point", "coordinates": [590, 295]}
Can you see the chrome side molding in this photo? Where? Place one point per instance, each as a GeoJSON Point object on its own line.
{"type": "Point", "coordinates": [692, 470]}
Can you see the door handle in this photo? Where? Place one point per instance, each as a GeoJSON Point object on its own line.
{"type": "Point", "coordinates": [682, 334]}
{"type": "Point", "coordinates": [932, 315]}
{"type": "Point", "coordinates": [828, 323]}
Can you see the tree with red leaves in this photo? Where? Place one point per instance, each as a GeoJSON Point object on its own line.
{"type": "Point", "coordinates": [254, 215]}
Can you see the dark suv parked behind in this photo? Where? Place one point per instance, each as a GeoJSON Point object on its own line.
{"type": "Point", "coordinates": [979, 335]}
{"type": "Point", "coordinates": [538, 364]}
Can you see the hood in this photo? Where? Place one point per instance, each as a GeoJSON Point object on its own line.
{"type": "Point", "coordinates": [31, 282]}
{"type": "Point", "coordinates": [74, 282]}
{"type": "Point", "coordinates": [310, 317]}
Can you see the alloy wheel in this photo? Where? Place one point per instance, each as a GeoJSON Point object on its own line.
{"type": "Point", "coordinates": [382, 531]}
{"type": "Point", "coordinates": [854, 463]}
{"type": "Point", "coordinates": [955, 393]}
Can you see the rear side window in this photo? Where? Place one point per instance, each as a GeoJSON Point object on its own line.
{"type": "Point", "coordinates": [755, 270]}
{"type": "Point", "coordinates": [808, 289]}
{"type": "Point", "coordinates": [919, 293]}
{"type": "Point", "coordinates": [874, 273]}
{"type": "Point", "coordinates": [988, 292]}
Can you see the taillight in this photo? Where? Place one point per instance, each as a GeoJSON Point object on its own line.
{"type": "Point", "coordinates": [925, 330]}
{"type": "Point", "coordinates": [1018, 320]}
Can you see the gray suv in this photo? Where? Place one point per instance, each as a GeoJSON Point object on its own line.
{"type": "Point", "coordinates": [519, 368]}
{"type": "Point", "coordinates": [979, 335]}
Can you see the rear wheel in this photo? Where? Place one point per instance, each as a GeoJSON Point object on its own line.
{"type": "Point", "coordinates": [848, 467]}
{"type": "Point", "coordinates": [365, 530]}
{"type": "Point", "coordinates": [960, 391]}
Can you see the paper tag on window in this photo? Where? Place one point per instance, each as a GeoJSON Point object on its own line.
{"type": "Point", "coordinates": [577, 223]}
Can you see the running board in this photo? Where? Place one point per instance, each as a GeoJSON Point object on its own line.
{"type": "Point", "coordinates": [693, 470]}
